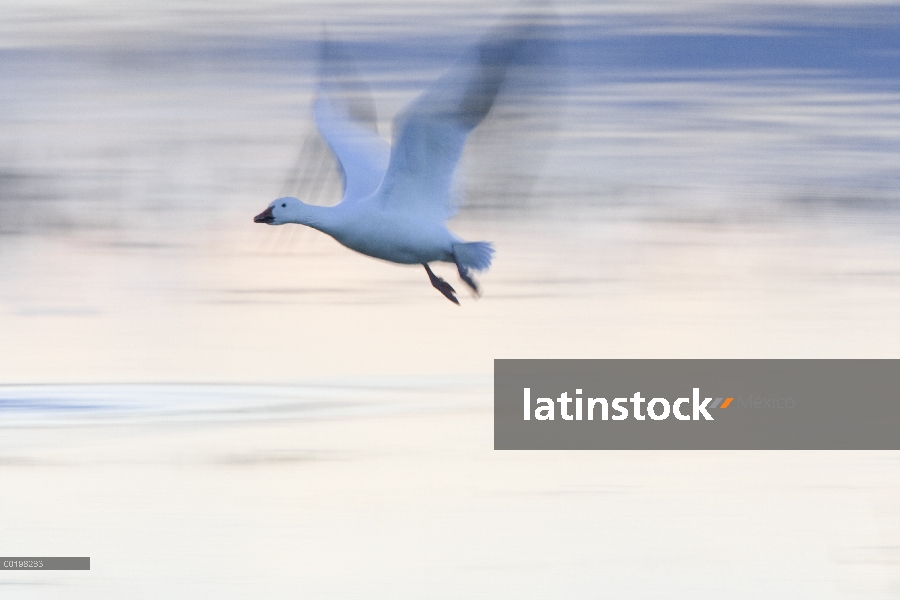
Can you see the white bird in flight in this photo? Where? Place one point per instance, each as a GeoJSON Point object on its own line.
{"type": "Point", "coordinates": [397, 198]}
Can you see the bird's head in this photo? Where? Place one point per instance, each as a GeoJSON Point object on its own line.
{"type": "Point", "coordinates": [283, 210]}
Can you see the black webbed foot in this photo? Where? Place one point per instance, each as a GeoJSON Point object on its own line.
{"type": "Point", "coordinates": [442, 286]}
{"type": "Point", "coordinates": [464, 275]}
{"type": "Point", "coordinates": [467, 279]}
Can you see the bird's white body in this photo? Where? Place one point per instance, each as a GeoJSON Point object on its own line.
{"type": "Point", "coordinates": [365, 227]}
{"type": "Point", "coordinates": [397, 197]}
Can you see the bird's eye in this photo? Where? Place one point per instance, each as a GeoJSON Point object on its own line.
{"type": "Point", "coordinates": [283, 205]}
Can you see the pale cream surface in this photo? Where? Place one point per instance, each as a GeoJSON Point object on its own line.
{"type": "Point", "coordinates": [255, 304]}
{"type": "Point", "coordinates": [418, 505]}
{"type": "Point", "coordinates": [414, 502]}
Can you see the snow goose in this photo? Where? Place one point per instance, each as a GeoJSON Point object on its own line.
{"type": "Point", "coordinates": [397, 197]}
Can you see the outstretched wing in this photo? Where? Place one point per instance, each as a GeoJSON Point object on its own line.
{"type": "Point", "coordinates": [431, 132]}
{"type": "Point", "coordinates": [345, 116]}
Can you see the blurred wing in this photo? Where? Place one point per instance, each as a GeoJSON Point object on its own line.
{"type": "Point", "coordinates": [504, 157]}
{"type": "Point", "coordinates": [431, 131]}
{"type": "Point", "coordinates": [345, 117]}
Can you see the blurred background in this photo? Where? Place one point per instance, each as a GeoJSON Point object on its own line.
{"type": "Point", "coordinates": [213, 408]}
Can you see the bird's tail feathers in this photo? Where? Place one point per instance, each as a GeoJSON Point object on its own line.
{"type": "Point", "coordinates": [474, 255]}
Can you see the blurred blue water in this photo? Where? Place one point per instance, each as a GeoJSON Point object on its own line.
{"type": "Point", "coordinates": [171, 404]}
{"type": "Point", "coordinates": [795, 100]}
{"type": "Point", "coordinates": [722, 146]}
{"type": "Point", "coordinates": [717, 179]}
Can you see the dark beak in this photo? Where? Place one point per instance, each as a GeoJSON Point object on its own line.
{"type": "Point", "coordinates": [265, 216]}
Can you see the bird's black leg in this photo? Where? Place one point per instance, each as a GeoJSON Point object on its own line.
{"type": "Point", "coordinates": [464, 275]}
{"type": "Point", "coordinates": [442, 286]}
